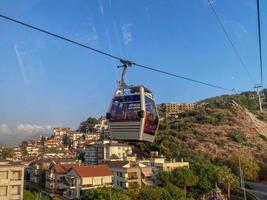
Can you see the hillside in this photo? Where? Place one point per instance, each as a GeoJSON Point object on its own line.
{"type": "Point", "coordinates": [225, 126]}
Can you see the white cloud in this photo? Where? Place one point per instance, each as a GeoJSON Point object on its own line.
{"type": "Point", "coordinates": [4, 129]}
{"type": "Point", "coordinates": [127, 33]}
{"type": "Point", "coordinates": [14, 135]}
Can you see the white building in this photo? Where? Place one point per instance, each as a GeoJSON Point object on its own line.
{"type": "Point", "coordinates": [106, 150]}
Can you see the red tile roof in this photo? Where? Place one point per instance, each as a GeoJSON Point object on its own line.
{"type": "Point", "coordinates": [92, 170]}
{"type": "Point", "coordinates": [62, 169]}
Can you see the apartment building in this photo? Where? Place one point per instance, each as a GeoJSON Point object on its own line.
{"type": "Point", "coordinates": [174, 108]}
{"type": "Point", "coordinates": [81, 178]}
{"type": "Point", "coordinates": [106, 150]}
{"type": "Point", "coordinates": [11, 180]}
{"type": "Point", "coordinates": [158, 162]}
{"type": "Point", "coordinates": [126, 173]}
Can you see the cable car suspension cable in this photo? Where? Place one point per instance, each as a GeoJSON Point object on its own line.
{"type": "Point", "coordinates": [123, 61]}
{"type": "Point", "coordinates": [210, 2]}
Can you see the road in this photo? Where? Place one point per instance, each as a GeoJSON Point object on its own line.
{"type": "Point", "coordinates": [259, 190]}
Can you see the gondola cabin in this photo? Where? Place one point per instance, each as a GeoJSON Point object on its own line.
{"type": "Point", "coordinates": [133, 115]}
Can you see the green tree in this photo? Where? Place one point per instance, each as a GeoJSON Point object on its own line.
{"type": "Point", "coordinates": [184, 178]}
{"type": "Point", "coordinates": [165, 177]}
{"type": "Point", "coordinates": [175, 192]}
{"type": "Point", "coordinates": [250, 167]}
{"type": "Point", "coordinates": [225, 176]}
{"type": "Point", "coordinates": [7, 153]}
{"type": "Point", "coordinates": [88, 125]}
{"type": "Point", "coordinates": [206, 173]}
{"type": "Point", "coordinates": [28, 195]}
{"type": "Point", "coordinates": [134, 191]}
{"type": "Point", "coordinates": [81, 156]}
{"type": "Point", "coordinates": [66, 140]}
{"type": "Point", "coordinates": [23, 147]}
{"type": "Point", "coordinates": [154, 193]}
{"type": "Point", "coordinates": [104, 194]}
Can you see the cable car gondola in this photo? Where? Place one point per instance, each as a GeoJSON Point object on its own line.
{"type": "Point", "coordinates": [133, 114]}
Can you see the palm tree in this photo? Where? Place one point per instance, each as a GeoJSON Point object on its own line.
{"type": "Point", "coordinates": [225, 176]}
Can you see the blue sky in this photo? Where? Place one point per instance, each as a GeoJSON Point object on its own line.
{"type": "Point", "coordinates": [45, 81]}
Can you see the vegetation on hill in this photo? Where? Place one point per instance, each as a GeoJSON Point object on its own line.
{"type": "Point", "coordinates": [221, 132]}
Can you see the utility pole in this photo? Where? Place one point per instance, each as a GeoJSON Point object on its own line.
{"type": "Point", "coordinates": [258, 87]}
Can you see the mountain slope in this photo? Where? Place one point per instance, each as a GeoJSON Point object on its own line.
{"type": "Point", "coordinates": [217, 130]}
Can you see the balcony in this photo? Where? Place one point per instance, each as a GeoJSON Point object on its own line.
{"type": "Point", "coordinates": [132, 178]}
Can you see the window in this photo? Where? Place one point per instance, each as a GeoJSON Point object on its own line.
{"type": "Point", "coordinates": [15, 189]}
{"type": "Point", "coordinates": [3, 175]}
{"type": "Point", "coordinates": [3, 190]}
{"type": "Point", "coordinates": [16, 175]}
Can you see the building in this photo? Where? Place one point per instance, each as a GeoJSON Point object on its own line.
{"type": "Point", "coordinates": [11, 181]}
{"type": "Point", "coordinates": [92, 136]}
{"type": "Point", "coordinates": [81, 178]}
{"type": "Point", "coordinates": [106, 150]}
{"type": "Point", "coordinates": [55, 181]}
{"type": "Point", "coordinates": [126, 173]}
{"type": "Point", "coordinates": [36, 171]}
{"type": "Point", "coordinates": [158, 162]}
{"type": "Point", "coordinates": [102, 125]}
{"type": "Point", "coordinates": [17, 154]}
{"type": "Point", "coordinates": [53, 143]}
{"type": "Point", "coordinates": [174, 108]}
{"type": "Point", "coordinates": [60, 131]}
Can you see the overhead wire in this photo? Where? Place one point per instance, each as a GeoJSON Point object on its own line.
{"type": "Point", "coordinates": [210, 2]}
{"type": "Point", "coordinates": [259, 37]}
{"type": "Point", "coordinates": [114, 57]}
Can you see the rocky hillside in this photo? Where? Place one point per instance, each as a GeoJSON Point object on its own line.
{"type": "Point", "coordinates": [225, 126]}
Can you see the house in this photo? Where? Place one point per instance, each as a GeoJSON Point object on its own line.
{"type": "Point", "coordinates": [81, 178]}
{"type": "Point", "coordinates": [127, 173]}
{"type": "Point", "coordinates": [55, 181]}
{"type": "Point", "coordinates": [36, 171]}
{"type": "Point", "coordinates": [60, 131]}
{"type": "Point", "coordinates": [106, 150]}
{"type": "Point", "coordinates": [11, 180]}
{"type": "Point", "coordinates": [17, 153]}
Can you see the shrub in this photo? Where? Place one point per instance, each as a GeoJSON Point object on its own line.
{"type": "Point", "coordinates": [238, 136]}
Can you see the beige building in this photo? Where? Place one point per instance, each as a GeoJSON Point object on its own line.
{"type": "Point", "coordinates": [127, 173]}
{"type": "Point", "coordinates": [11, 181]}
{"type": "Point", "coordinates": [174, 108]}
{"type": "Point", "coordinates": [81, 178]}
{"type": "Point", "coordinates": [161, 163]}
